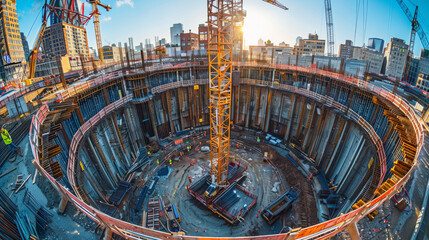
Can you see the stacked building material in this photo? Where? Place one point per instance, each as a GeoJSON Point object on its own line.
{"type": "Point", "coordinates": [26, 228]}
{"type": "Point", "coordinates": [118, 195]}
{"type": "Point", "coordinates": [42, 215]}
{"type": "Point", "coordinates": [153, 213]}
{"type": "Point", "coordinates": [8, 226]}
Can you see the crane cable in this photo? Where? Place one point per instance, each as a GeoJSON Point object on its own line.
{"type": "Point", "coordinates": [365, 19]}
{"type": "Point", "coordinates": [357, 18]}
{"type": "Point", "coordinates": [34, 22]}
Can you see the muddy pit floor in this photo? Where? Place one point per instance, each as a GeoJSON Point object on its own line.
{"type": "Point", "coordinates": [260, 180]}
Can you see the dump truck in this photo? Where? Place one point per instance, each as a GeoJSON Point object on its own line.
{"type": "Point", "coordinates": [284, 202]}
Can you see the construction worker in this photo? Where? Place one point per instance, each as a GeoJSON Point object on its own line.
{"type": "Point", "coordinates": [8, 140]}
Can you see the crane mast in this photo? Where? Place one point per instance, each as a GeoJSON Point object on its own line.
{"type": "Point", "coordinates": [416, 28]}
{"type": "Point", "coordinates": [220, 35]}
{"type": "Point", "coordinates": [96, 14]}
{"type": "Point", "coordinates": [222, 16]}
{"type": "Point", "coordinates": [329, 28]}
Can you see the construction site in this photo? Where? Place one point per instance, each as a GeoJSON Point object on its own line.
{"type": "Point", "coordinates": [218, 145]}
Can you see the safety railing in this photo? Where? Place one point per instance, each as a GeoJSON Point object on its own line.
{"type": "Point", "coordinates": [79, 87]}
{"type": "Point", "coordinates": [329, 101]}
{"type": "Point", "coordinates": [186, 83]}
{"type": "Point", "coordinates": [19, 92]}
{"type": "Point", "coordinates": [323, 230]}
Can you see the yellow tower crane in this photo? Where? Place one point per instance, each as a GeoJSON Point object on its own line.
{"type": "Point", "coordinates": [220, 35]}
{"type": "Point", "coordinates": [95, 13]}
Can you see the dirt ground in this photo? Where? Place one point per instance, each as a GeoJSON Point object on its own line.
{"type": "Point", "coordinates": [260, 180]}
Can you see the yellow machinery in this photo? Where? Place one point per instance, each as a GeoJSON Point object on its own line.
{"type": "Point", "coordinates": [95, 13]}
{"type": "Point", "coordinates": [220, 35]}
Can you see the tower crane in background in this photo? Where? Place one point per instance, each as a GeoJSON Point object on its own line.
{"type": "Point", "coordinates": [220, 15]}
{"type": "Point", "coordinates": [68, 14]}
{"type": "Point", "coordinates": [329, 28]}
{"type": "Point", "coordinates": [96, 15]}
{"type": "Point", "coordinates": [277, 4]}
{"type": "Point", "coordinates": [32, 58]}
{"type": "Point", "coordinates": [416, 27]}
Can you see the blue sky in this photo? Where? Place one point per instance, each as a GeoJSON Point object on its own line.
{"type": "Point", "coordinates": [143, 19]}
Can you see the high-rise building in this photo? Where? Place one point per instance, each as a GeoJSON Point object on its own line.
{"type": "Point", "coordinates": [395, 55]}
{"type": "Point", "coordinates": [175, 32]}
{"type": "Point", "coordinates": [346, 50]}
{"type": "Point", "coordinates": [188, 41]}
{"type": "Point", "coordinates": [10, 36]}
{"type": "Point", "coordinates": [92, 53]}
{"type": "Point", "coordinates": [148, 45]}
{"type": "Point", "coordinates": [131, 43]}
{"type": "Point", "coordinates": [266, 52]}
{"type": "Point", "coordinates": [25, 45]}
{"type": "Point", "coordinates": [60, 7]}
{"type": "Point", "coordinates": [297, 40]}
{"type": "Point", "coordinates": [424, 62]}
{"type": "Point", "coordinates": [261, 42]}
{"type": "Point", "coordinates": [157, 41]}
{"type": "Point", "coordinates": [112, 53]}
{"type": "Point", "coordinates": [65, 39]}
{"type": "Point", "coordinates": [413, 71]}
{"type": "Point", "coordinates": [203, 37]}
{"type": "Point", "coordinates": [310, 46]}
{"type": "Point", "coordinates": [376, 44]}
{"type": "Point", "coordinates": [423, 82]}
{"type": "Point", "coordinates": [373, 58]}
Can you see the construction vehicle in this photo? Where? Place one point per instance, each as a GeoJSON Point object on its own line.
{"type": "Point", "coordinates": [96, 14]}
{"type": "Point", "coordinates": [272, 212]}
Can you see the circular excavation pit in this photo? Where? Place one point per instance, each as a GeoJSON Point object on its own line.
{"type": "Point", "coordinates": [267, 178]}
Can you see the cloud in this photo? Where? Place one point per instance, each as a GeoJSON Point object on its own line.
{"type": "Point", "coordinates": [106, 19]}
{"type": "Point", "coordinates": [124, 2]}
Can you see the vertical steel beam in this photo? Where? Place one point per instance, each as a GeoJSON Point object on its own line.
{"type": "Point", "coordinates": [170, 117]}
{"type": "Point", "coordinates": [319, 123]}
{"type": "Point", "coordinates": [246, 115]}
{"type": "Point", "coordinates": [152, 119]}
{"type": "Point", "coordinates": [258, 93]}
{"type": "Point", "coordinates": [191, 114]}
{"type": "Point", "coordinates": [309, 123]}
{"type": "Point", "coordinates": [118, 133]}
{"type": "Point", "coordinates": [181, 99]}
{"type": "Point", "coordinates": [291, 110]}
{"type": "Point", "coordinates": [301, 118]}
{"type": "Point", "coordinates": [268, 110]}
{"type": "Point", "coordinates": [106, 96]}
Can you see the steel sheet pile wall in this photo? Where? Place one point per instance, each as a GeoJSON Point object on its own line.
{"type": "Point", "coordinates": [322, 230]}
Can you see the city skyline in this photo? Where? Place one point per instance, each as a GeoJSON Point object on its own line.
{"type": "Point", "coordinates": [263, 21]}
